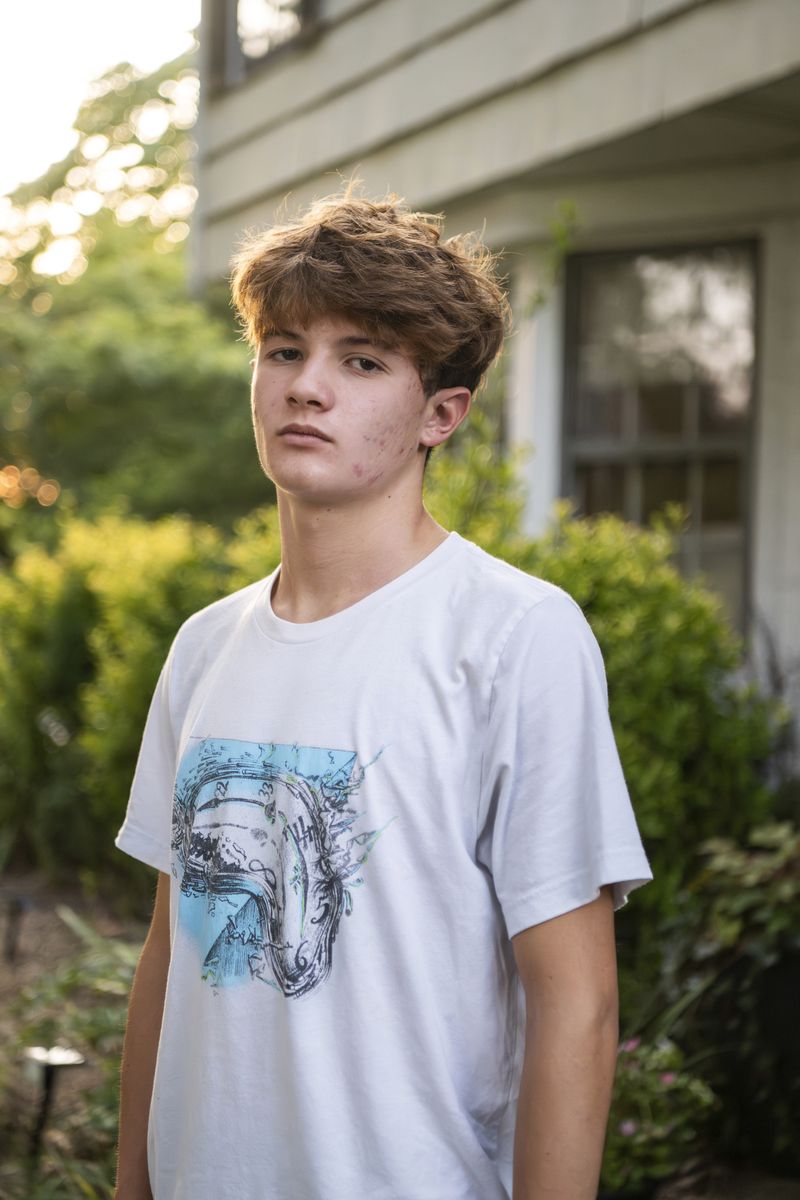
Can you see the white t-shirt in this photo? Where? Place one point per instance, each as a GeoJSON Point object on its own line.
{"type": "Point", "coordinates": [358, 813]}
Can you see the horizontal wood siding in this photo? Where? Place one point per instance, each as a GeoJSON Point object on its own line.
{"type": "Point", "coordinates": [442, 101]}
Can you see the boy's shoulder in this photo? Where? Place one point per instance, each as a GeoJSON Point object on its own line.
{"type": "Point", "coordinates": [215, 621]}
{"type": "Point", "coordinates": [509, 612]}
{"type": "Point", "coordinates": [505, 588]}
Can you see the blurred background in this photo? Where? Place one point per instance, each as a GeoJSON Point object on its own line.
{"type": "Point", "coordinates": [637, 165]}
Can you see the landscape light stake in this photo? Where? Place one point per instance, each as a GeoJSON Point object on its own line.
{"type": "Point", "coordinates": [51, 1062]}
{"type": "Point", "coordinates": [16, 907]}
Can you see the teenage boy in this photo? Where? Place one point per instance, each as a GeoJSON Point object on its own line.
{"type": "Point", "coordinates": [380, 786]}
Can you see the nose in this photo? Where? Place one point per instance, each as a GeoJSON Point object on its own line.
{"type": "Point", "coordinates": [309, 384]}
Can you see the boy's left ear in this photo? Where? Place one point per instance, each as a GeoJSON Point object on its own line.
{"type": "Point", "coordinates": [447, 408]}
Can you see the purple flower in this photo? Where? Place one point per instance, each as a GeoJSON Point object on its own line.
{"type": "Point", "coordinates": [668, 1077]}
{"type": "Point", "coordinates": [628, 1128]}
{"type": "Point", "coordinates": [631, 1044]}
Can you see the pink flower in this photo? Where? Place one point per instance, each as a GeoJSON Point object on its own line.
{"type": "Point", "coordinates": [631, 1044]}
{"type": "Point", "coordinates": [668, 1077]}
{"type": "Point", "coordinates": [628, 1128]}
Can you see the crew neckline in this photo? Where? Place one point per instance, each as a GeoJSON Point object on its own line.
{"type": "Point", "coordinates": [281, 630]}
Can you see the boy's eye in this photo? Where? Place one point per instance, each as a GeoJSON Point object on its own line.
{"type": "Point", "coordinates": [290, 350]}
{"type": "Point", "coordinates": [368, 365]}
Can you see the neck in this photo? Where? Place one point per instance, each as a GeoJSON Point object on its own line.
{"type": "Point", "coordinates": [332, 558]}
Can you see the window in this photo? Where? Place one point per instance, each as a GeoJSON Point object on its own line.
{"type": "Point", "coordinates": [244, 33]}
{"type": "Point", "coordinates": [264, 24]}
{"type": "Point", "coordinates": [660, 351]}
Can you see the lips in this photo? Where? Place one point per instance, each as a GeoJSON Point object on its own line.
{"type": "Point", "coordinates": [305, 431]}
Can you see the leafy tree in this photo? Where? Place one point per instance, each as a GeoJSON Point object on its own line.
{"type": "Point", "coordinates": [115, 386]}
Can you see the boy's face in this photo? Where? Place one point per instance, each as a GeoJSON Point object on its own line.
{"type": "Point", "coordinates": [365, 399]}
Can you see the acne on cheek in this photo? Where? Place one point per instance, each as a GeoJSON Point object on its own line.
{"type": "Point", "coordinates": [380, 440]}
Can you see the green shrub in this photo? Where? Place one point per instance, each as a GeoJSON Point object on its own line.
{"type": "Point", "coordinates": [85, 632]}
{"type": "Point", "coordinates": [694, 744]}
{"type": "Point", "coordinates": [46, 611]}
{"type": "Point", "coordinates": [146, 579]}
{"type": "Point", "coordinates": [731, 980]}
{"type": "Point", "coordinates": [475, 489]}
{"type": "Point", "coordinates": [255, 548]}
{"type": "Point", "coordinates": [659, 1116]}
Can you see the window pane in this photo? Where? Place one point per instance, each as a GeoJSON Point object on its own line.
{"type": "Point", "coordinates": [725, 410]}
{"type": "Point", "coordinates": [598, 412]}
{"type": "Point", "coordinates": [722, 491]}
{"type": "Point", "coordinates": [661, 409]}
{"type": "Point", "coordinates": [606, 352]}
{"type": "Point", "coordinates": [697, 324]}
{"type": "Point", "coordinates": [662, 482]}
{"type": "Point", "coordinates": [661, 324]}
{"type": "Point", "coordinates": [601, 488]}
{"type": "Point", "coordinates": [266, 23]}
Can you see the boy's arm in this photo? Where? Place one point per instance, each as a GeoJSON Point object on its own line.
{"type": "Point", "coordinates": [569, 973]}
{"type": "Point", "coordinates": [142, 1031]}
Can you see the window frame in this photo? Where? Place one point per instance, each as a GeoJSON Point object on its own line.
{"type": "Point", "coordinates": [228, 66]}
{"type": "Point", "coordinates": [692, 448]}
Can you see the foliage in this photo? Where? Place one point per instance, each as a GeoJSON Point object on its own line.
{"type": "Point", "coordinates": [659, 1116]}
{"type": "Point", "coordinates": [46, 611]}
{"type": "Point", "coordinates": [85, 632]}
{"type": "Point", "coordinates": [112, 377]}
{"type": "Point", "coordinates": [695, 744]}
{"type": "Point", "coordinates": [255, 547]}
{"type": "Point", "coordinates": [476, 491]}
{"type": "Point", "coordinates": [731, 979]}
{"type": "Point", "coordinates": [83, 1005]}
{"type": "Point", "coordinates": [564, 226]}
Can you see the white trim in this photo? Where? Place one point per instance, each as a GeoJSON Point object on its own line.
{"type": "Point", "coordinates": [536, 384]}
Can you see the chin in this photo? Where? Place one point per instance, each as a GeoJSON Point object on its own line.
{"type": "Point", "coordinates": [305, 485]}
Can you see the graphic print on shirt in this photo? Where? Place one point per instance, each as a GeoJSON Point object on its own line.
{"type": "Point", "coordinates": [266, 855]}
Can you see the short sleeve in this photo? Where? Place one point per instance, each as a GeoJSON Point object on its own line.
{"type": "Point", "coordinates": [555, 818]}
{"type": "Point", "coordinates": [146, 832]}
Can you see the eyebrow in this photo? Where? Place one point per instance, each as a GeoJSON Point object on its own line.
{"type": "Point", "coordinates": [362, 339]}
{"type": "Point", "coordinates": [355, 339]}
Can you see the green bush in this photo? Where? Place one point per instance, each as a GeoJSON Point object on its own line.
{"type": "Point", "coordinates": [659, 1116]}
{"type": "Point", "coordinates": [46, 612]}
{"type": "Point", "coordinates": [146, 579]}
{"type": "Point", "coordinates": [474, 488]}
{"type": "Point", "coordinates": [85, 632]}
{"type": "Point", "coordinates": [731, 979]}
{"type": "Point", "coordinates": [695, 745]}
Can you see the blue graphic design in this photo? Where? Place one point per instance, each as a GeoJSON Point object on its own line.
{"type": "Point", "coordinates": [266, 855]}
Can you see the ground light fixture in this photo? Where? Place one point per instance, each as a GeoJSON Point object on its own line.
{"type": "Point", "coordinates": [47, 1062]}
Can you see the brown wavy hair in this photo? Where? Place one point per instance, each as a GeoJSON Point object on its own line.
{"type": "Point", "coordinates": [387, 269]}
